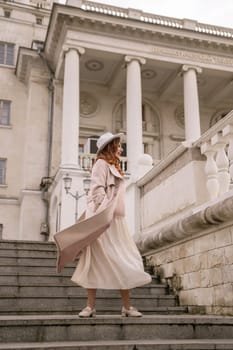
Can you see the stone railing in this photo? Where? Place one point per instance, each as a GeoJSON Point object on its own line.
{"type": "Point", "coordinates": [152, 18]}
{"type": "Point", "coordinates": [100, 8]}
{"type": "Point", "coordinates": [217, 145]}
{"type": "Point", "coordinates": [214, 30]}
{"type": "Point", "coordinates": [191, 176]}
{"type": "Point", "coordinates": [86, 161]}
{"type": "Point", "coordinates": [186, 232]}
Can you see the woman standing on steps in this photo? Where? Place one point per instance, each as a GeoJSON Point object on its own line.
{"type": "Point", "coordinates": [112, 261]}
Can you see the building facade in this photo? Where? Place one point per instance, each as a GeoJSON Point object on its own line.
{"type": "Point", "coordinates": [71, 72]}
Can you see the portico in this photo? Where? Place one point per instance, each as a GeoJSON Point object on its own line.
{"type": "Point", "coordinates": [146, 71]}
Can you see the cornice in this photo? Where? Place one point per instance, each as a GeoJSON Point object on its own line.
{"type": "Point", "coordinates": [28, 59]}
{"type": "Point", "coordinates": [24, 7]}
{"type": "Point", "coordinates": [146, 27]}
{"type": "Point", "coordinates": [179, 45]}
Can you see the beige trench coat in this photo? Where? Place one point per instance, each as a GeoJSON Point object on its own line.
{"type": "Point", "coordinates": [101, 205]}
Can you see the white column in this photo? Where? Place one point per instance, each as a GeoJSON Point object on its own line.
{"type": "Point", "coordinates": [191, 103]}
{"type": "Point", "coordinates": [71, 102]}
{"type": "Point", "coordinates": [133, 111]}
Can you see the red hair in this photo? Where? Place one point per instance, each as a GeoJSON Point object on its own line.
{"type": "Point", "coordinates": [109, 154]}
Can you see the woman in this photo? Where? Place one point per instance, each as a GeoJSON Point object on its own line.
{"type": "Point", "coordinates": [112, 261]}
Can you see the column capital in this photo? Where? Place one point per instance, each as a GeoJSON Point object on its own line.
{"type": "Point", "coordinates": [66, 48]}
{"type": "Point", "coordinates": [187, 67]}
{"type": "Point", "coordinates": [129, 59]}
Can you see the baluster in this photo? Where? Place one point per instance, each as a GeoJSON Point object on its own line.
{"type": "Point", "coordinates": [222, 163]}
{"type": "Point", "coordinates": [211, 171]}
{"type": "Point", "coordinates": [80, 160]}
{"type": "Point", "coordinates": [228, 133]}
{"type": "Point", "coordinates": [85, 162]}
{"type": "Point", "coordinates": [90, 162]}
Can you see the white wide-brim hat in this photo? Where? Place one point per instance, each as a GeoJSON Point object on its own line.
{"type": "Point", "coordinates": [105, 139]}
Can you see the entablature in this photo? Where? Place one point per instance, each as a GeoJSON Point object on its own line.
{"type": "Point", "coordinates": [113, 33]}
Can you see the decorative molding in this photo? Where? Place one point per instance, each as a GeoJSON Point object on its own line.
{"type": "Point", "coordinates": [186, 68]}
{"type": "Point", "coordinates": [66, 48]}
{"type": "Point", "coordinates": [90, 130]}
{"type": "Point", "coordinates": [148, 74]}
{"type": "Point", "coordinates": [206, 218]}
{"type": "Point", "coordinates": [9, 201]}
{"type": "Point", "coordinates": [88, 105]}
{"type": "Point", "coordinates": [177, 138]}
{"type": "Point", "coordinates": [198, 57]}
{"type": "Point", "coordinates": [141, 60]}
{"type": "Point", "coordinates": [30, 66]}
{"type": "Point", "coordinates": [94, 65]}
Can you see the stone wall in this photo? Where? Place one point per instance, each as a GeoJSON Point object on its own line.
{"type": "Point", "coordinates": [194, 255]}
{"type": "Point", "coordinates": [200, 271]}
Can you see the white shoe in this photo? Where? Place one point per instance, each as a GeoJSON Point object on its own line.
{"type": "Point", "coordinates": [131, 312]}
{"type": "Point", "coordinates": [87, 312]}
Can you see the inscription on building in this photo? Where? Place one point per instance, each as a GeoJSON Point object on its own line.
{"type": "Point", "coordinates": [211, 59]}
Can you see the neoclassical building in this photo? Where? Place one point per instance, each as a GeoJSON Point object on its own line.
{"type": "Point", "coordinates": [70, 72]}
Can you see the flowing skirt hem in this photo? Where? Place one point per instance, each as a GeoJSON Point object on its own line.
{"type": "Point", "coordinates": [99, 286]}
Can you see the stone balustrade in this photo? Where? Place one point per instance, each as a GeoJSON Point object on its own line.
{"type": "Point", "coordinates": [87, 160]}
{"type": "Point", "coordinates": [188, 235]}
{"type": "Point", "coordinates": [152, 18]}
{"type": "Point", "coordinates": [217, 145]}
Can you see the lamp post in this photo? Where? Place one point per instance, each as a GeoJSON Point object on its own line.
{"type": "Point", "coordinates": [86, 186]}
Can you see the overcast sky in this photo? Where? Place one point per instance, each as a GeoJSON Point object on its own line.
{"type": "Point", "coordinates": [216, 12]}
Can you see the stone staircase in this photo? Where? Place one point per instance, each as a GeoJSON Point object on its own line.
{"type": "Point", "coordinates": [38, 310]}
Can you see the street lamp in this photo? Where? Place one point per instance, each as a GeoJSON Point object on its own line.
{"type": "Point", "coordinates": [86, 186]}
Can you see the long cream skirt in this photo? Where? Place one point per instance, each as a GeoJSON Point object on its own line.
{"type": "Point", "coordinates": [112, 261]}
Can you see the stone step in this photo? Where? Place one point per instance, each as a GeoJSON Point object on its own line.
{"type": "Point", "coordinates": [30, 253]}
{"type": "Point", "coordinates": [34, 270]}
{"type": "Point", "coordinates": [48, 303]}
{"type": "Point", "coordinates": [28, 278]}
{"type": "Point", "coordinates": [38, 270]}
{"type": "Point", "coordinates": [46, 279]}
{"type": "Point", "coordinates": [103, 310]}
{"type": "Point", "coordinates": [27, 245]}
{"type": "Point", "coordinates": [159, 344]}
{"type": "Point", "coordinates": [65, 290]}
{"type": "Point", "coordinates": [52, 328]}
{"type": "Point", "coordinates": [15, 262]}
{"type": "Point", "coordinates": [40, 267]}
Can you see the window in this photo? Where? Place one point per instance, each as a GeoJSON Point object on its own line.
{"type": "Point", "coordinates": [39, 20]}
{"type": "Point", "coordinates": [7, 13]}
{"type": "Point", "coordinates": [7, 53]}
{"type": "Point", "coordinates": [5, 109]}
{"type": "Point", "coordinates": [2, 171]}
